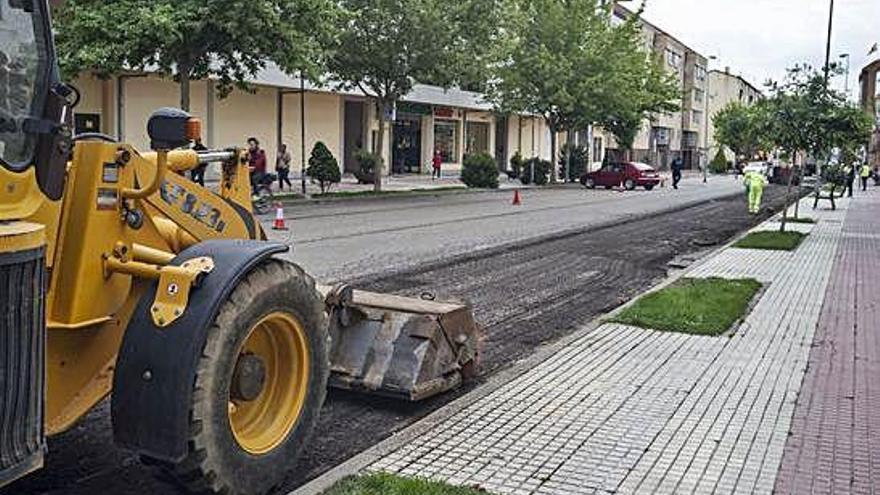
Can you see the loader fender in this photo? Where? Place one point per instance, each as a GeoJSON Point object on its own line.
{"type": "Point", "coordinates": [155, 369]}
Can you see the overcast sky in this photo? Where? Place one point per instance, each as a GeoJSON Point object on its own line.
{"type": "Point", "coordinates": [758, 39]}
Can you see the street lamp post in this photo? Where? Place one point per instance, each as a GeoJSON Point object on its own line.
{"type": "Point", "coordinates": [846, 82]}
{"type": "Point", "coordinates": [828, 41]}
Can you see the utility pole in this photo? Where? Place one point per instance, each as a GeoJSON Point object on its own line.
{"type": "Point", "coordinates": [828, 42]}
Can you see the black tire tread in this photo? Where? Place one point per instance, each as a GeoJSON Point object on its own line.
{"type": "Point", "coordinates": [199, 472]}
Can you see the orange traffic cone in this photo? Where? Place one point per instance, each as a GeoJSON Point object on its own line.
{"type": "Point", "coordinates": [279, 218]}
{"type": "Point", "coordinates": [516, 199]}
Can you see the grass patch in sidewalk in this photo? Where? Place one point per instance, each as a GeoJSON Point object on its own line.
{"type": "Point", "coordinates": [389, 484]}
{"type": "Point", "coordinates": [700, 306]}
{"type": "Point", "coordinates": [371, 193]}
{"type": "Point", "coordinates": [771, 239]}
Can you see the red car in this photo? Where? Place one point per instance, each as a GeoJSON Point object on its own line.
{"type": "Point", "coordinates": [627, 174]}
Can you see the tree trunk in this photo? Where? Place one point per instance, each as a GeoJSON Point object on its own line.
{"type": "Point", "coordinates": [183, 75]}
{"type": "Point", "coordinates": [787, 196]}
{"type": "Point", "coordinates": [552, 151]}
{"type": "Point", "coordinates": [380, 147]}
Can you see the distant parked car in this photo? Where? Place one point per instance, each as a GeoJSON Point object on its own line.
{"type": "Point", "coordinates": [628, 174]}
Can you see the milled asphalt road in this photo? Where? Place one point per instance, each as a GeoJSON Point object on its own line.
{"type": "Point", "coordinates": [346, 240]}
{"type": "Point", "coordinates": [533, 272]}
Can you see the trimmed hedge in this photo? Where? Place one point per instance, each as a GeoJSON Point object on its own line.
{"type": "Point", "coordinates": [480, 170]}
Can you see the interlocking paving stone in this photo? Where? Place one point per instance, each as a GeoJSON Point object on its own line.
{"type": "Point", "coordinates": [626, 410]}
{"type": "Point", "coordinates": [834, 445]}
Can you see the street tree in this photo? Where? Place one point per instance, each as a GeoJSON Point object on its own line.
{"type": "Point", "coordinates": [572, 66]}
{"type": "Point", "coordinates": [385, 47]}
{"type": "Point", "coordinates": [803, 115]}
{"type": "Point", "coordinates": [226, 40]}
{"type": "Point", "coordinates": [646, 91]}
{"type": "Point", "coordinates": [739, 127]}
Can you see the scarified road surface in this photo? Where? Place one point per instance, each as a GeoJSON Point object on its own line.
{"type": "Point", "coordinates": [529, 283]}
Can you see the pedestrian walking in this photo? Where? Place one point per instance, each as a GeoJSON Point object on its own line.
{"type": "Point", "coordinates": [850, 173]}
{"type": "Point", "coordinates": [256, 161]}
{"type": "Point", "coordinates": [755, 182]}
{"type": "Point", "coordinates": [197, 174]}
{"type": "Point", "coordinates": [436, 163]}
{"type": "Point", "coordinates": [282, 167]}
{"type": "Point", "coordinates": [677, 166]}
{"type": "Point", "coordinates": [865, 174]}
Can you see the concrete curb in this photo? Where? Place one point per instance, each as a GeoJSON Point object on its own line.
{"type": "Point", "coordinates": [361, 461]}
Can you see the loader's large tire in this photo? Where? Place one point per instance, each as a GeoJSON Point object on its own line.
{"type": "Point", "coordinates": [245, 438]}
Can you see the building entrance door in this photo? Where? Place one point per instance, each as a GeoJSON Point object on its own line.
{"type": "Point", "coordinates": [354, 133]}
{"type": "Point", "coordinates": [407, 145]}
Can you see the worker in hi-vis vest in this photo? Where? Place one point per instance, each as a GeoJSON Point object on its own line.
{"type": "Point", "coordinates": [755, 182]}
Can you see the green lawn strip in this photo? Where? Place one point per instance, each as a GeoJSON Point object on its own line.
{"type": "Point", "coordinates": [389, 484]}
{"type": "Point", "coordinates": [771, 239]}
{"type": "Point", "coordinates": [359, 194]}
{"type": "Point", "coordinates": [700, 306]}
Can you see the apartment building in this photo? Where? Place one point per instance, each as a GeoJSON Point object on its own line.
{"type": "Point", "coordinates": [869, 80]}
{"type": "Point", "coordinates": [726, 88]}
{"type": "Point", "coordinates": [682, 134]}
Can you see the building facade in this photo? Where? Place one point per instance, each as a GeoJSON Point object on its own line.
{"type": "Point", "coordinates": [726, 88]}
{"type": "Point", "coordinates": [283, 109]}
{"type": "Point", "coordinates": [681, 134]}
{"type": "Point", "coordinates": [869, 79]}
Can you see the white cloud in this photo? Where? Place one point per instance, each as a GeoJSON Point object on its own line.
{"type": "Point", "coordinates": [759, 39]}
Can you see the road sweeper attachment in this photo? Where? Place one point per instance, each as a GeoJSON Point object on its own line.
{"type": "Point", "coordinates": [397, 346]}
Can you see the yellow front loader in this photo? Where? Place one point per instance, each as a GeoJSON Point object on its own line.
{"type": "Point", "coordinates": [118, 276]}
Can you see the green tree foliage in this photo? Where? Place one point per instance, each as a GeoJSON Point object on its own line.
{"type": "Point", "coordinates": [569, 64]}
{"type": "Point", "coordinates": [804, 115]}
{"type": "Point", "coordinates": [480, 170]}
{"type": "Point", "coordinates": [719, 164]}
{"type": "Point", "coordinates": [739, 127]}
{"type": "Point", "coordinates": [575, 159]}
{"type": "Point", "coordinates": [537, 171]}
{"type": "Point", "coordinates": [227, 40]}
{"type": "Point", "coordinates": [516, 165]}
{"type": "Point", "coordinates": [386, 46]}
{"type": "Point", "coordinates": [323, 167]}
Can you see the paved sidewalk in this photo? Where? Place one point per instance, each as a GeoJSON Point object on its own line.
{"type": "Point", "coordinates": [628, 410]}
{"type": "Point", "coordinates": [835, 441]}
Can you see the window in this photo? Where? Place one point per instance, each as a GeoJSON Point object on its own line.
{"type": "Point", "coordinates": [597, 149]}
{"type": "Point", "coordinates": [700, 73]}
{"type": "Point", "coordinates": [23, 74]}
{"type": "Point", "coordinates": [673, 58]}
{"type": "Point", "coordinates": [446, 140]}
{"type": "Point", "coordinates": [477, 137]}
{"type": "Point", "coordinates": [698, 117]}
{"type": "Point", "coordinates": [699, 95]}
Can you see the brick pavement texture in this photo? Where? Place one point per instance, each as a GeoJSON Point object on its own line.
{"type": "Point", "coordinates": [629, 410]}
{"type": "Point", "coordinates": [834, 445]}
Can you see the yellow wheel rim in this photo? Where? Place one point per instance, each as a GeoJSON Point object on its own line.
{"type": "Point", "coordinates": [263, 423]}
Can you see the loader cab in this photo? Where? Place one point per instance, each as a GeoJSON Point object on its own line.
{"type": "Point", "coordinates": [32, 112]}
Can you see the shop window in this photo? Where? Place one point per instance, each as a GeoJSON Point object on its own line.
{"type": "Point", "coordinates": [477, 137]}
{"type": "Point", "coordinates": [446, 140]}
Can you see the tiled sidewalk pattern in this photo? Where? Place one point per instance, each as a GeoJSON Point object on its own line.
{"type": "Point", "coordinates": [627, 410]}
{"type": "Point", "coordinates": [835, 441]}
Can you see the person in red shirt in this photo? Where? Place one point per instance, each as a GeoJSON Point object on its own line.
{"type": "Point", "coordinates": [436, 162]}
{"type": "Point", "coordinates": [256, 161]}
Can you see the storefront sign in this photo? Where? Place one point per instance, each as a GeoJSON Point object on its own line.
{"type": "Point", "coordinates": [444, 112]}
{"type": "Point", "coordinates": [414, 108]}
